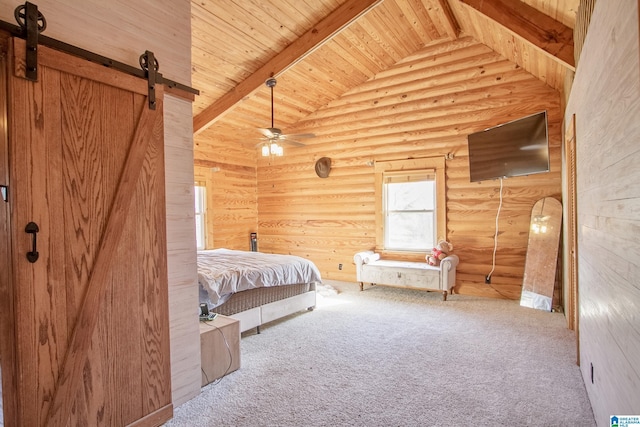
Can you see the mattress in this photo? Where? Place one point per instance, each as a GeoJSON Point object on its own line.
{"type": "Point", "coordinates": [224, 272]}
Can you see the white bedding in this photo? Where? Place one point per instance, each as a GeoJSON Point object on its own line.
{"type": "Point", "coordinates": [222, 272]}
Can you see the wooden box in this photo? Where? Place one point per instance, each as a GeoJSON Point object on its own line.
{"type": "Point", "coordinates": [219, 347]}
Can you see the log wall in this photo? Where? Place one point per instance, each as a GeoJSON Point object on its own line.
{"type": "Point", "coordinates": [424, 106]}
{"type": "Point", "coordinates": [229, 174]}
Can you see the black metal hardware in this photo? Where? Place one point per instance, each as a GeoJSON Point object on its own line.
{"type": "Point", "coordinates": [32, 228]}
{"type": "Point", "coordinates": [150, 65]}
{"type": "Point", "coordinates": [4, 191]}
{"type": "Point", "coordinates": [16, 31]}
{"type": "Point", "coordinates": [32, 23]}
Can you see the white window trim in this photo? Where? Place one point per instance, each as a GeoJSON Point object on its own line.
{"type": "Point", "coordinates": [423, 164]}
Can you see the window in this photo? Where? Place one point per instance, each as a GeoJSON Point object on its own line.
{"type": "Point", "coordinates": [201, 215]}
{"type": "Point", "coordinates": [409, 206]}
{"type": "Point", "coordinates": [410, 202]}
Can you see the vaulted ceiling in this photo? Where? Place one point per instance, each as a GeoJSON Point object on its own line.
{"type": "Point", "coordinates": [321, 49]}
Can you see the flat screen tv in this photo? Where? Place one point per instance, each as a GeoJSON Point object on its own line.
{"type": "Point", "coordinates": [516, 148]}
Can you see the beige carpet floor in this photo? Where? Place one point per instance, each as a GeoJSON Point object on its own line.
{"type": "Point", "coordinates": [393, 357]}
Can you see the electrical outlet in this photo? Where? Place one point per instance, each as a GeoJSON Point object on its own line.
{"type": "Point", "coordinates": [339, 266]}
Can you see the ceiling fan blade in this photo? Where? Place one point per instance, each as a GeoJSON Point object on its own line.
{"type": "Point", "coordinates": [270, 132]}
{"type": "Point", "coordinates": [266, 132]}
{"type": "Point", "coordinates": [300, 135]}
{"type": "Point", "coordinates": [292, 142]}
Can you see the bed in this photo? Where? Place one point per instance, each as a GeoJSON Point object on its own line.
{"type": "Point", "coordinates": [255, 287]}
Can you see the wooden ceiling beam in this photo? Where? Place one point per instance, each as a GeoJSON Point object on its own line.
{"type": "Point", "coordinates": [326, 29]}
{"type": "Point", "coordinates": [449, 20]}
{"type": "Point", "coordinates": [544, 32]}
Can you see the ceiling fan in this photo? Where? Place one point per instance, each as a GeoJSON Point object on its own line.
{"type": "Point", "coordinates": [273, 136]}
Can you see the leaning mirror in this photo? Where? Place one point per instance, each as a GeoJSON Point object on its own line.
{"type": "Point", "coordinates": [542, 254]}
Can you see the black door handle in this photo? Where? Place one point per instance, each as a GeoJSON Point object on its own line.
{"type": "Point", "coordinates": [32, 228]}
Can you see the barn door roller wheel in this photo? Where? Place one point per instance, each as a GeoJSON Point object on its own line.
{"type": "Point", "coordinates": [23, 15]}
{"type": "Point", "coordinates": [150, 66]}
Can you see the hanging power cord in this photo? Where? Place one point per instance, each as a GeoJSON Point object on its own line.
{"type": "Point", "coordinates": [226, 343]}
{"type": "Point", "coordinates": [487, 279]}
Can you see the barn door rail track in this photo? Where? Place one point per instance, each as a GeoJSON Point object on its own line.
{"type": "Point", "coordinates": [31, 23]}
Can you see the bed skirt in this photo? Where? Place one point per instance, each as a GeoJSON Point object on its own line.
{"type": "Point", "coordinates": [257, 306]}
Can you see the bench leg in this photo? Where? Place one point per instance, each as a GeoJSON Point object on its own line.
{"type": "Point", "coordinates": [361, 286]}
{"type": "Point", "coordinates": [444, 295]}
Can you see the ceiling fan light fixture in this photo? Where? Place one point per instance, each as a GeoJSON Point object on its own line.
{"type": "Point", "coordinates": [272, 149]}
{"type": "Point", "coordinates": [275, 149]}
{"type": "Point", "coordinates": [272, 135]}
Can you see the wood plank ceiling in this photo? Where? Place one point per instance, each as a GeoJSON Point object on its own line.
{"type": "Point", "coordinates": [321, 49]}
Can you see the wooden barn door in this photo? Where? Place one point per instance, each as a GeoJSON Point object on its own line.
{"type": "Point", "coordinates": [90, 314]}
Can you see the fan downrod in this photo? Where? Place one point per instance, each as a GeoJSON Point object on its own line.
{"type": "Point", "coordinates": [271, 82]}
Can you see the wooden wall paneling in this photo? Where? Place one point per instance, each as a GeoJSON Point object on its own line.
{"type": "Point", "coordinates": [229, 171]}
{"type": "Point", "coordinates": [405, 113]}
{"type": "Point", "coordinates": [583, 17]}
{"type": "Point", "coordinates": [298, 208]}
{"type": "Point", "coordinates": [291, 181]}
{"type": "Point", "coordinates": [605, 99]}
{"type": "Point", "coordinates": [181, 268]}
{"type": "Point", "coordinates": [423, 106]}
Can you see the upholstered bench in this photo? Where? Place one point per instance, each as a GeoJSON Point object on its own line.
{"type": "Point", "coordinates": [416, 275]}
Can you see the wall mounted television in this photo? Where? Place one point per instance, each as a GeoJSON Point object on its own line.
{"type": "Point", "coordinates": [516, 148]}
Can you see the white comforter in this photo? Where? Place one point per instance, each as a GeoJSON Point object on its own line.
{"type": "Point", "coordinates": [222, 272]}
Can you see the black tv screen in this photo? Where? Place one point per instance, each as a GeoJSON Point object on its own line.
{"type": "Point", "coordinates": [516, 148]}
